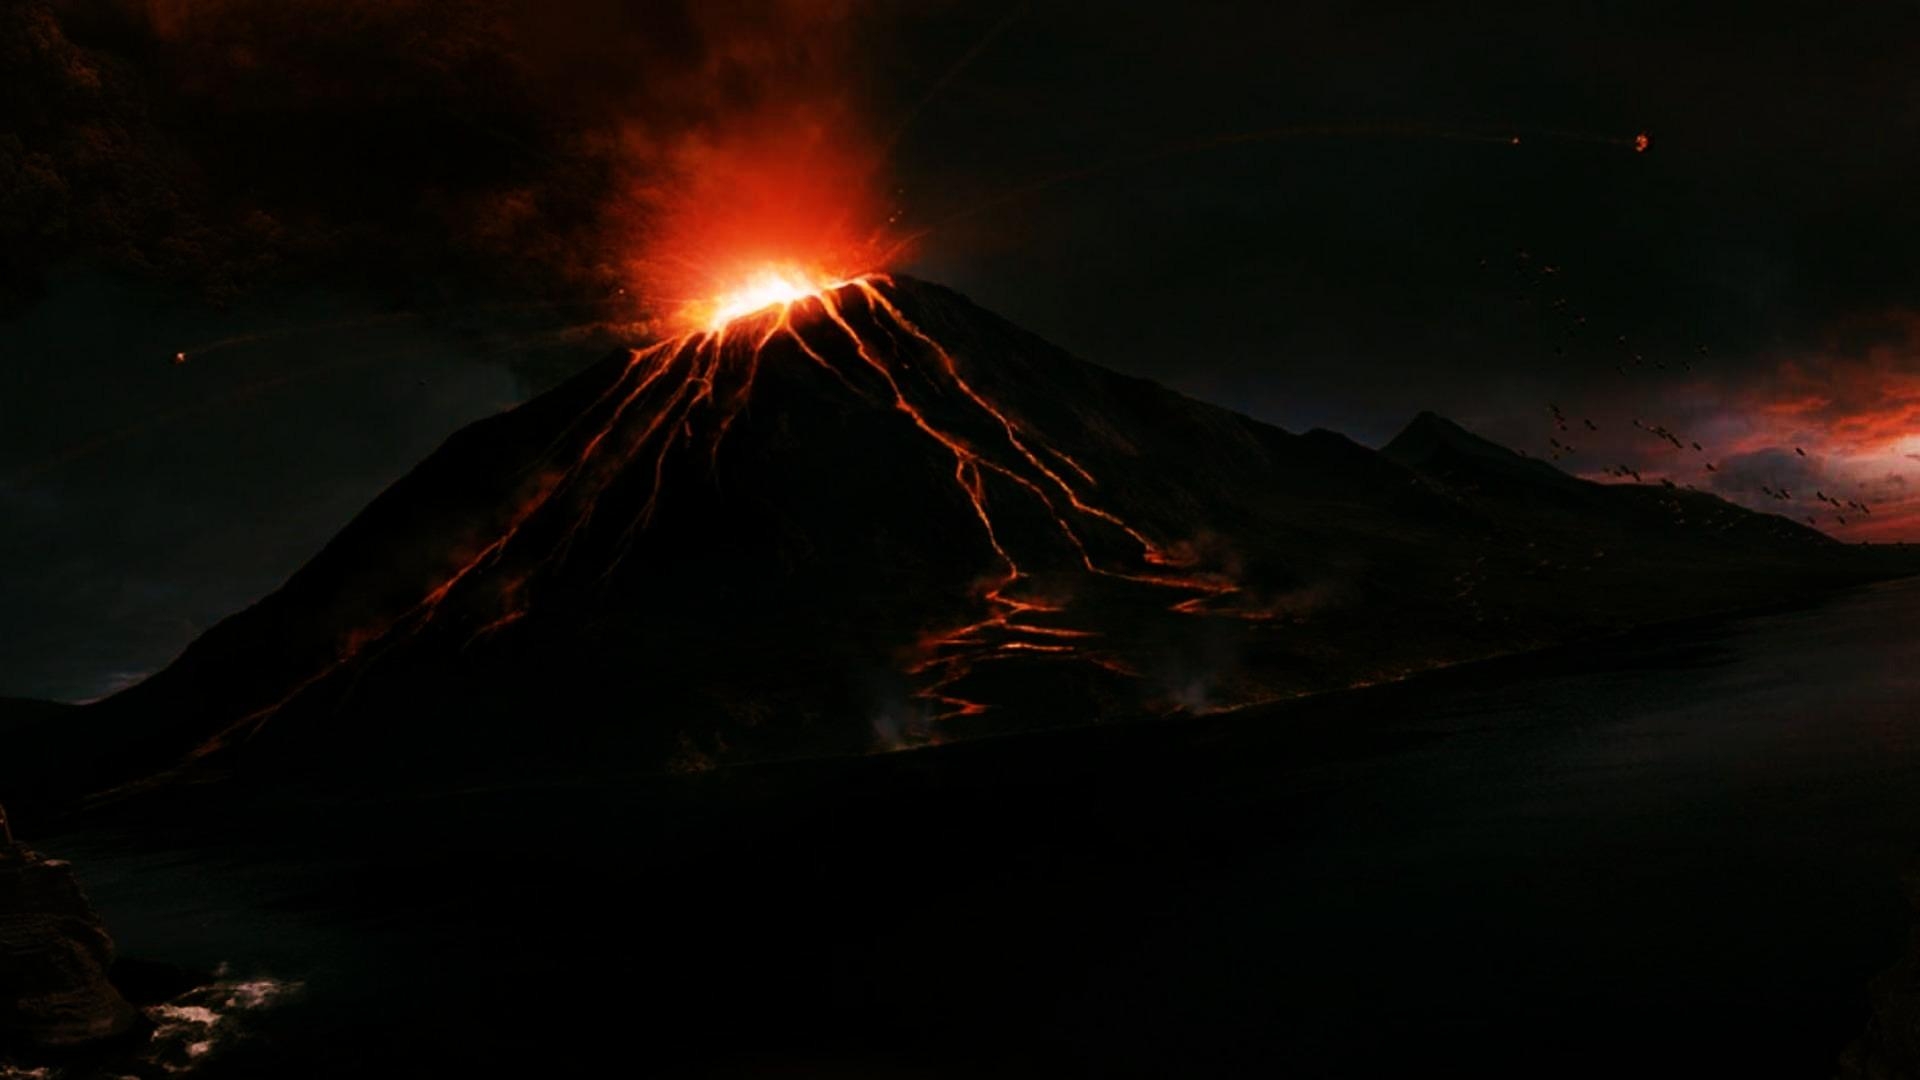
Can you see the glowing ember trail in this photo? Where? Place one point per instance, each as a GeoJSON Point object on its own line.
{"type": "Point", "coordinates": [682, 395]}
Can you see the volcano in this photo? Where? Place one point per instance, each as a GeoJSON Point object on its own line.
{"type": "Point", "coordinates": [875, 516]}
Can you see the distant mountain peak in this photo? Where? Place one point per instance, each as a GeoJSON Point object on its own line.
{"type": "Point", "coordinates": [1432, 442]}
{"type": "Point", "coordinates": [1429, 430]}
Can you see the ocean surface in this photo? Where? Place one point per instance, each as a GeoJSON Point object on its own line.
{"type": "Point", "coordinates": [1676, 852]}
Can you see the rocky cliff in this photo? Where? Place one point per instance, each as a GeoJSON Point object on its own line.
{"type": "Point", "coordinates": [54, 957]}
{"type": "Point", "coordinates": [1890, 1047]}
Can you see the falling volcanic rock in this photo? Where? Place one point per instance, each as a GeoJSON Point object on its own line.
{"type": "Point", "coordinates": [880, 516]}
{"type": "Point", "coordinates": [54, 957]}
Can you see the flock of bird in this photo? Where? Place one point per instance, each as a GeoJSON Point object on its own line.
{"type": "Point", "coordinates": [1539, 275]}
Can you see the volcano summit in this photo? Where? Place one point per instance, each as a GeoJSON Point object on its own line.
{"type": "Point", "coordinates": [876, 516]}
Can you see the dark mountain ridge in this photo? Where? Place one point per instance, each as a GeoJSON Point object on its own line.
{"type": "Point", "coordinates": [795, 542]}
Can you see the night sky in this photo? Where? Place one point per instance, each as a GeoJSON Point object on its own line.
{"type": "Point", "coordinates": [370, 223]}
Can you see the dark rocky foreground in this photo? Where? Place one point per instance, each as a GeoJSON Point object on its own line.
{"type": "Point", "coordinates": [1670, 853]}
{"type": "Point", "coordinates": [1890, 1047]}
{"type": "Point", "coordinates": [54, 957]}
{"type": "Point", "coordinates": [1666, 854]}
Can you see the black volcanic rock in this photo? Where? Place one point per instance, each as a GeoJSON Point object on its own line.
{"type": "Point", "coordinates": [546, 594]}
{"type": "Point", "coordinates": [1889, 1048]}
{"type": "Point", "coordinates": [54, 958]}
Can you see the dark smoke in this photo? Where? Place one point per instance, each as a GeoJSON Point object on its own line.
{"type": "Point", "coordinates": [421, 146]}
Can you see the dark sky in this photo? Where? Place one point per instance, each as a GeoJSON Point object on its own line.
{"type": "Point", "coordinates": [1314, 213]}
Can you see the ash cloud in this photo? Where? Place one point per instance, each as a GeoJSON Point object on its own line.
{"type": "Point", "coordinates": [423, 144]}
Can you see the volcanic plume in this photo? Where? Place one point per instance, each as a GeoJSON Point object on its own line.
{"type": "Point", "coordinates": [494, 153]}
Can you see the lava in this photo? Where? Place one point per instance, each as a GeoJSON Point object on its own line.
{"type": "Point", "coordinates": [683, 394]}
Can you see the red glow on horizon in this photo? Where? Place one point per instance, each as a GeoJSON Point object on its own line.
{"type": "Point", "coordinates": [1828, 436]}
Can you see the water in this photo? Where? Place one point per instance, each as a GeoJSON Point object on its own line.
{"type": "Point", "coordinates": [1686, 853]}
{"type": "Point", "coordinates": [1673, 853]}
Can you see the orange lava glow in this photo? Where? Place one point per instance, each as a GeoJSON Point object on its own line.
{"type": "Point", "coordinates": [1826, 435]}
{"type": "Point", "coordinates": [792, 204]}
{"type": "Point", "coordinates": [1852, 410]}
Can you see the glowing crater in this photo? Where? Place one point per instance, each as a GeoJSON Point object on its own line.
{"type": "Point", "coordinates": [761, 289]}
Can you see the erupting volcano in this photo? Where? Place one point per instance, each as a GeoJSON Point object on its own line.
{"type": "Point", "coordinates": [833, 515]}
{"type": "Point", "coordinates": [681, 397]}
{"type": "Point", "coordinates": [1025, 554]}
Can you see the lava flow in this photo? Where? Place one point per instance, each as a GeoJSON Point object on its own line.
{"type": "Point", "coordinates": [683, 394]}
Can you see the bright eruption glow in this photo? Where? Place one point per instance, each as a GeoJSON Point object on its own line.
{"type": "Point", "coordinates": [787, 207]}
{"type": "Point", "coordinates": [767, 287]}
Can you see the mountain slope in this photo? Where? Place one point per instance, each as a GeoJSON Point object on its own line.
{"type": "Point", "coordinates": [1494, 476]}
{"type": "Point", "coordinates": [1436, 445]}
{"type": "Point", "coordinates": [883, 518]}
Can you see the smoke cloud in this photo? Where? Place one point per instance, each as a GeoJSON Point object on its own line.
{"type": "Point", "coordinates": [423, 144]}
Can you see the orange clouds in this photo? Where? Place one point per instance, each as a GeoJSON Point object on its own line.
{"type": "Point", "coordinates": [1861, 402]}
{"type": "Point", "coordinates": [1847, 418]}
